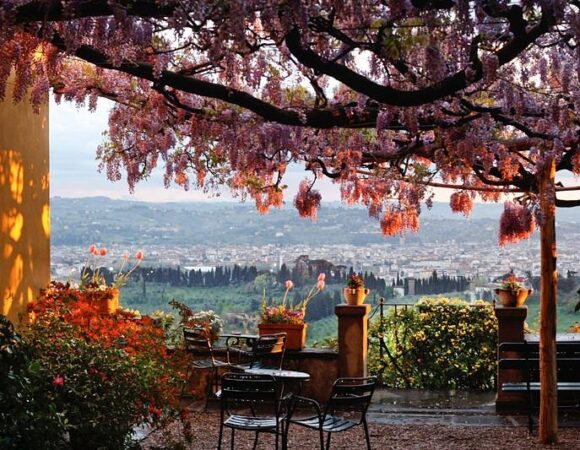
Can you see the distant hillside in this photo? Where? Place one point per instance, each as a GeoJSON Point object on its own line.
{"type": "Point", "coordinates": [83, 220]}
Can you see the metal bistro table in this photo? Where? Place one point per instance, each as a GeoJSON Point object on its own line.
{"type": "Point", "coordinates": [237, 339]}
{"type": "Point", "coordinates": [237, 343]}
{"type": "Point", "coordinates": [283, 377]}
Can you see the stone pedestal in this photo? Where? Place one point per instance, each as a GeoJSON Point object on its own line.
{"type": "Point", "coordinates": [510, 323]}
{"type": "Point", "coordinates": [352, 340]}
{"type": "Point", "coordinates": [510, 329]}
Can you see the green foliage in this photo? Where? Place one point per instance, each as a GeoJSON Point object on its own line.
{"type": "Point", "coordinates": [438, 344]}
{"type": "Point", "coordinates": [321, 332]}
{"type": "Point", "coordinates": [78, 380]}
{"type": "Point", "coordinates": [25, 422]}
{"type": "Point", "coordinates": [100, 385]}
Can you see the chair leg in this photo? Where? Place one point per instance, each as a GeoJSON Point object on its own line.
{"type": "Point", "coordinates": [321, 438]}
{"type": "Point", "coordinates": [221, 434]}
{"type": "Point", "coordinates": [366, 427]}
{"type": "Point", "coordinates": [285, 436]}
{"type": "Point", "coordinates": [255, 441]}
{"type": "Point", "coordinates": [328, 441]}
{"type": "Point", "coordinates": [186, 382]}
{"type": "Point", "coordinates": [232, 439]}
{"type": "Point", "coordinates": [530, 412]}
{"type": "Point", "coordinates": [209, 387]}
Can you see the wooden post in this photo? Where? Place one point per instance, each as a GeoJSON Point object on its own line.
{"type": "Point", "coordinates": [548, 429]}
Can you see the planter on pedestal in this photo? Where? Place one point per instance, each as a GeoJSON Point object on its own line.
{"type": "Point", "coordinates": [513, 298]}
{"type": "Point", "coordinates": [355, 296]}
{"type": "Point", "coordinates": [295, 333]}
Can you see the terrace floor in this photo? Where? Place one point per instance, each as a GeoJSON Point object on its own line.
{"type": "Point", "coordinates": [403, 419]}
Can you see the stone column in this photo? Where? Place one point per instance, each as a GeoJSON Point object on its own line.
{"type": "Point", "coordinates": [24, 205]}
{"type": "Point", "coordinates": [352, 340]}
{"type": "Point", "coordinates": [510, 323]}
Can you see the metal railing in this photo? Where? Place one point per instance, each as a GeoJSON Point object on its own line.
{"type": "Point", "coordinates": [392, 335]}
{"type": "Point", "coordinates": [379, 310]}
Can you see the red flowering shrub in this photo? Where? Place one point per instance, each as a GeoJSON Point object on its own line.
{"type": "Point", "coordinates": [105, 374]}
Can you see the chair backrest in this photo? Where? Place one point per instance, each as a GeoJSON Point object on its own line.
{"type": "Point", "coordinates": [268, 345]}
{"type": "Point", "coordinates": [351, 395]}
{"type": "Point", "coordinates": [196, 342]}
{"type": "Point", "coordinates": [244, 389]}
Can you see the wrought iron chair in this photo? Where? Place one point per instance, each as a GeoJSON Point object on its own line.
{"type": "Point", "coordinates": [266, 347]}
{"type": "Point", "coordinates": [260, 395]}
{"type": "Point", "coordinates": [349, 395]}
{"type": "Point", "coordinates": [197, 343]}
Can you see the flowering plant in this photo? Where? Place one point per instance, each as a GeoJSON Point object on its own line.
{"type": "Point", "coordinates": [286, 313]}
{"type": "Point", "coordinates": [208, 320]}
{"type": "Point", "coordinates": [512, 283]}
{"type": "Point", "coordinates": [355, 282]}
{"type": "Point", "coordinates": [100, 375]}
{"type": "Point", "coordinates": [93, 277]}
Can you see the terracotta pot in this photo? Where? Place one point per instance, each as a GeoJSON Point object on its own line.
{"type": "Point", "coordinates": [511, 298]}
{"type": "Point", "coordinates": [295, 333]}
{"type": "Point", "coordinates": [356, 296]}
{"type": "Point", "coordinates": [106, 302]}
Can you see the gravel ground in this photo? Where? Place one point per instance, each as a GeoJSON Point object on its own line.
{"type": "Point", "coordinates": [431, 437]}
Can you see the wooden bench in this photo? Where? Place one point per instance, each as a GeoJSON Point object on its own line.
{"type": "Point", "coordinates": [525, 358]}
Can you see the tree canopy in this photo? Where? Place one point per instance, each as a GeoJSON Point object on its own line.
{"type": "Point", "coordinates": [387, 98]}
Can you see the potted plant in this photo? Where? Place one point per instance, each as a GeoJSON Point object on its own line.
{"type": "Point", "coordinates": [278, 318]}
{"type": "Point", "coordinates": [512, 292]}
{"type": "Point", "coordinates": [355, 291]}
{"type": "Point", "coordinates": [210, 321]}
{"type": "Point", "coordinates": [94, 283]}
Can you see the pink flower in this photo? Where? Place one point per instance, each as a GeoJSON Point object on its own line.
{"type": "Point", "coordinates": [322, 277]}
{"type": "Point", "coordinates": [320, 285]}
{"type": "Point", "coordinates": [103, 251]}
{"type": "Point", "coordinates": [58, 381]}
{"type": "Point", "coordinates": [139, 255]}
{"type": "Point", "coordinates": [289, 284]}
{"type": "Point", "coordinates": [92, 249]}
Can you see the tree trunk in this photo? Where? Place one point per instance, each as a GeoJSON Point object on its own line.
{"type": "Point", "coordinates": [548, 432]}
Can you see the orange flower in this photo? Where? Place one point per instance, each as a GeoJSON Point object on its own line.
{"type": "Point", "coordinates": [103, 251]}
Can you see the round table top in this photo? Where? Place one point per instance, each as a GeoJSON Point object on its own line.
{"type": "Point", "coordinates": [281, 374]}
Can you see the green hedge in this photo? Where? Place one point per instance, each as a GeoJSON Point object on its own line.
{"type": "Point", "coordinates": [438, 343]}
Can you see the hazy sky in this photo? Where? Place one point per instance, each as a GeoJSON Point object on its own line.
{"type": "Point", "coordinates": [75, 134]}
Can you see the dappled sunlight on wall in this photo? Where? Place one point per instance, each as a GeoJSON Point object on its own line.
{"type": "Point", "coordinates": [24, 206]}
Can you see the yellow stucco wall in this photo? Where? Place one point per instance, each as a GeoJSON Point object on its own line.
{"type": "Point", "coordinates": [24, 205]}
